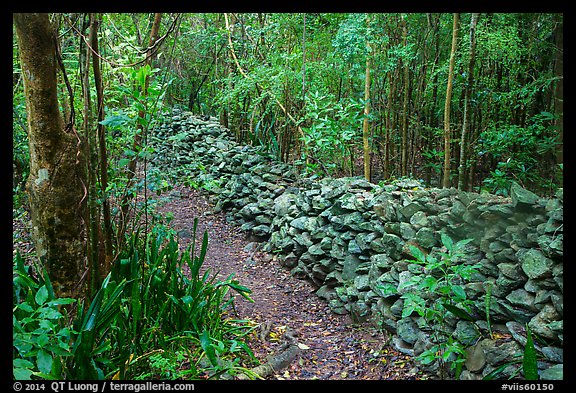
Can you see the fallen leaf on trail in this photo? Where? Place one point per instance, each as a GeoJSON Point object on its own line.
{"type": "Point", "coordinates": [303, 346]}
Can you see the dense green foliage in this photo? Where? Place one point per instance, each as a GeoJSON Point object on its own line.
{"type": "Point", "coordinates": [148, 320]}
{"type": "Point", "coordinates": [315, 61]}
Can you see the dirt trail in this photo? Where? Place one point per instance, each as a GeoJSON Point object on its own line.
{"type": "Point", "coordinates": [333, 347]}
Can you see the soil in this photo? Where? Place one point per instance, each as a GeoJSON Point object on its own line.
{"type": "Point", "coordinates": [333, 347]}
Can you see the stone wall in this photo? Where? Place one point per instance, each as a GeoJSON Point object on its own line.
{"type": "Point", "coordinates": [352, 239]}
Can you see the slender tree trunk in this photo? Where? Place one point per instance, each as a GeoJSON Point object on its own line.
{"type": "Point", "coordinates": [137, 144]}
{"type": "Point", "coordinates": [92, 214]}
{"type": "Point", "coordinates": [366, 122]}
{"type": "Point", "coordinates": [304, 57]}
{"type": "Point", "coordinates": [467, 92]}
{"type": "Point", "coordinates": [54, 186]}
{"type": "Point", "coordinates": [100, 132]}
{"type": "Point", "coordinates": [447, 137]}
{"type": "Point", "coordinates": [559, 91]}
{"type": "Point", "coordinates": [404, 143]}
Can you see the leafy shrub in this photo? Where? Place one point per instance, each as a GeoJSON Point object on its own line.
{"type": "Point", "coordinates": [40, 335]}
{"type": "Point", "coordinates": [148, 319]}
{"type": "Point", "coordinates": [442, 282]}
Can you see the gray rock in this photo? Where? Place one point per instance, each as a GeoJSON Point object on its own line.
{"type": "Point", "coordinates": [316, 250]}
{"type": "Point", "coordinates": [386, 211]}
{"type": "Point", "coordinates": [419, 219]}
{"type": "Point", "coordinates": [385, 286]}
{"type": "Point", "coordinates": [353, 247]}
{"type": "Point", "coordinates": [541, 323]}
{"type": "Point", "coordinates": [381, 261]}
{"type": "Point", "coordinates": [426, 237]}
{"type": "Point", "coordinates": [553, 354]}
{"type": "Point", "coordinates": [338, 250]}
{"type": "Point", "coordinates": [289, 260]}
{"type": "Point", "coordinates": [306, 223]}
{"type": "Point", "coordinates": [359, 312]}
{"type": "Point", "coordinates": [363, 240]}
{"type": "Point", "coordinates": [337, 306]}
{"type": "Point", "coordinates": [261, 230]}
{"type": "Point", "coordinates": [402, 346]}
{"type": "Point", "coordinates": [554, 373]}
{"type": "Point", "coordinates": [475, 358]}
{"type": "Point", "coordinates": [351, 262]}
{"type": "Point", "coordinates": [534, 263]}
{"type": "Point", "coordinates": [283, 204]}
{"type": "Point", "coordinates": [408, 330]}
{"type": "Point", "coordinates": [466, 332]}
{"type": "Point", "coordinates": [409, 210]}
{"type": "Point", "coordinates": [512, 271]}
{"type": "Point", "coordinates": [497, 354]}
{"type": "Point", "coordinates": [466, 375]}
{"type": "Point", "coordinates": [521, 298]}
{"type": "Point", "coordinates": [522, 197]}
{"type": "Point", "coordinates": [362, 283]}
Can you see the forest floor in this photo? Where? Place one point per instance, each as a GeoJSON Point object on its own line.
{"type": "Point", "coordinates": [333, 346]}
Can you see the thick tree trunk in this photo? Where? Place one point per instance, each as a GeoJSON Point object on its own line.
{"type": "Point", "coordinates": [54, 186]}
{"type": "Point", "coordinates": [447, 136]}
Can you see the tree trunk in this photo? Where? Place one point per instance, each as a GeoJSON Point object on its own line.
{"type": "Point", "coordinates": [103, 153]}
{"type": "Point", "coordinates": [559, 90]}
{"type": "Point", "coordinates": [447, 137]}
{"type": "Point", "coordinates": [54, 186]}
{"type": "Point", "coordinates": [366, 122]}
{"type": "Point", "coordinates": [404, 143]}
{"type": "Point", "coordinates": [467, 92]}
{"type": "Point", "coordinates": [93, 231]}
{"type": "Point", "coordinates": [137, 144]}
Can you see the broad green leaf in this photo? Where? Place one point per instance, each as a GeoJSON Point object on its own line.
{"type": "Point", "coordinates": [124, 162]}
{"type": "Point", "coordinates": [429, 283]}
{"type": "Point", "coordinates": [407, 311]}
{"type": "Point", "coordinates": [44, 361]}
{"type": "Point", "coordinates": [417, 253]}
{"type": "Point", "coordinates": [460, 313]}
{"type": "Point", "coordinates": [459, 292]}
{"type": "Point", "coordinates": [42, 340]}
{"type": "Point", "coordinates": [22, 374]}
{"type": "Point", "coordinates": [447, 242]}
{"type": "Point", "coordinates": [25, 307]}
{"type": "Point", "coordinates": [115, 122]}
{"type": "Point", "coordinates": [41, 295]}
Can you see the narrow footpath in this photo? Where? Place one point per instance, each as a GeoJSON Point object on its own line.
{"type": "Point", "coordinates": [332, 346]}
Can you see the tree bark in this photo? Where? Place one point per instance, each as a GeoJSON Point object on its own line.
{"type": "Point", "coordinates": [404, 143]}
{"type": "Point", "coordinates": [93, 231]}
{"type": "Point", "coordinates": [366, 122]}
{"type": "Point", "coordinates": [54, 185]}
{"type": "Point", "coordinates": [559, 90]}
{"type": "Point", "coordinates": [467, 92]}
{"type": "Point", "coordinates": [447, 137]}
{"type": "Point", "coordinates": [103, 153]}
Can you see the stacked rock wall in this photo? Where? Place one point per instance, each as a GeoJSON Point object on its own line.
{"type": "Point", "coordinates": [353, 240]}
